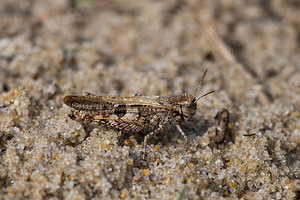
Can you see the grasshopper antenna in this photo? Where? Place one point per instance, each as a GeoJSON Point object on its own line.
{"type": "Point", "coordinates": [200, 85]}
{"type": "Point", "coordinates": [204, 95]}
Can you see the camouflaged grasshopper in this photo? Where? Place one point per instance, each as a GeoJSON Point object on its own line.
{"type": "Point", "coordinates": [134, 114]}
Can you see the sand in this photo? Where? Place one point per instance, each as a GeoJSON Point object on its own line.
{"type": "Point", "coordinates": [50, 49]}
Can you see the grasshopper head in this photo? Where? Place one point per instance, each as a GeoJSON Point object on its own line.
{"type": "Point", "coordinates": [186, 106]}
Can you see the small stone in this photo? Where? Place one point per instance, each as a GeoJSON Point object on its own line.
{"type": "Point", "coordinates": [146, 172]}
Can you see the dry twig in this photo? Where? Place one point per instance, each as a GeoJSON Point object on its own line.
{"type": "Point", "coordinates": [223, 119]}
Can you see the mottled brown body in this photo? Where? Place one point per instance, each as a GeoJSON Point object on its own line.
{"type": "Point", "coordinates": [136, 114]}
{"type": "Point", "coordinates": [130, 114]}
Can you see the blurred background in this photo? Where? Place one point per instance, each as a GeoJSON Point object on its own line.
{"type": "Point", "coordinates": [126, 46]}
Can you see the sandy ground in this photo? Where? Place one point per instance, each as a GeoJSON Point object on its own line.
{"type": "Point", "coordinates": [50, 49]}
